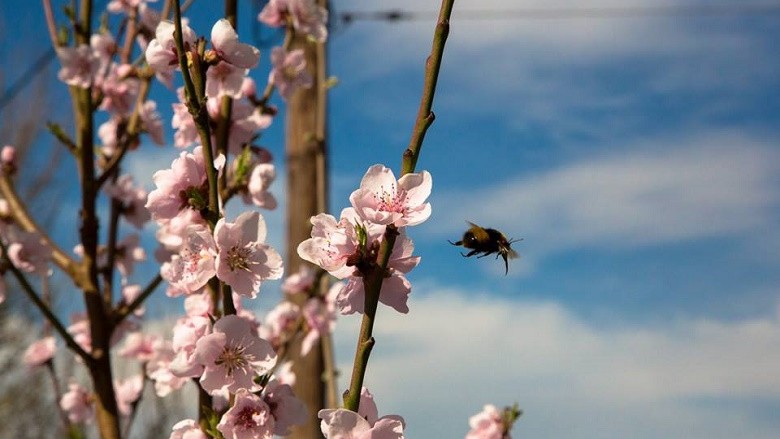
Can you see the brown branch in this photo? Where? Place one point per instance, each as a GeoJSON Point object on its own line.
{"type": "Point", "coordinates": [43, 308]}
{"type": "Point", "coordinates": [425, 116]}
{"type": "Point", "coordinates": [125, 310]}
{"type": "Point", "coordinates": [132, 131]}
{"type": "Point", "coordinates": [20, 215]}
{"type": "Point", "coordinates": [374, 275]}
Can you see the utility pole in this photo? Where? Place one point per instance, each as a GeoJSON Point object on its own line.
{"type": "Point", "coordinates": [307, 188]}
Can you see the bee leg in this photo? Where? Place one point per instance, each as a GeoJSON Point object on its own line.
{"type": "Point", "coordinates": [471, 253]}
{"type": "Point", "coordinates": [455, 243]}
{"type": "Point", "coordinates": [506, 264]}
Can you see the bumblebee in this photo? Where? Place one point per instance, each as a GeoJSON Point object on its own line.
{"type": "Point", "coordinates": [484, 242]}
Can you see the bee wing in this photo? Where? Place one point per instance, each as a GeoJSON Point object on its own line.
{"type": "Point", "coordinates": [511, 254]}
{"type": "Point", "coordinates": [480, 233]}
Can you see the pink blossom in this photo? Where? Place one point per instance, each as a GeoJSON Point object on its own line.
{"type": "Point", "coordinates": [187, 429]}
{"type": "Point", "coordinates": [103, 48]}
{"type": "Point", "coordinates": [365, 424]}
{"type": "Point", "coordinates": [245, 121]}
{"type": "Point", "coordinates": [140, 346]}
{"type": "Point", "coordinates": [487, 424]}
{"type": "Point", "coordinates": [199, 304]}
{"type": "Point", "coordinates": [248, 87]}
{"type": "Point", "coordinates": [79, 65]}
{"type": "Point", "coordinates": [128, 252]}
{"type": "Point", "coordinates": [8, 158]}
{"type": "Point", "coordinates": [395, 293]}
{"type": "Point", "coordinates": [126, 6]}
{"type": "Point", "coordinates": [129, 294]}
{"type": "Point", "coordinates": [249, 418]}
{"type": "Point", "coordinates": [107, 135]}
{"type": "Point", "coordinates": [192, 268]}
{"type": "Point", "coordinates": [158, 370]}
{"type": "Point", "coordinates": [225, 42]}
{"type": "Point", "coordinates": [299, 282]}
{"type": "Point", "coordinates": [383, 200]}
{"type": "Point", "coordinates": [233, 355]}
{"type": "Point", "coordinates": [186, 131]}
{"type": "Point", "coordinates": [284, 374]}
{"type": "Point", "coordinates": [289, 71]}
{"type": "Point", "coordinates": [173, 232]}
{"type": "Point", "coordinates": [332, 242]}
{"type": "Point", "coordinates": [286, 408]}
{"type": "Point", "coordinates": [132, 200]}
{"type": "Point", "coordinates": [40, 352]}
{"type": "Point", "coordinates": [395, 287]}
{"type": "Point", "coordinates": [274, 14]}
{"type": "Point", "coordinates": [307, 17]}
{"type": "Point", "coordinates": [280, 322]}
{"type": "Point", "coordinates": [119, 91]}
{"type": "Point", "coordinates": [224, 79]}
{"type": "Point", "coordinates": [320, 320]}
{"type": "Point", "coordinates": [77, 404]}
{"type": "Point", "coordinates": [181, 187]}
{"type": "Point", "coordinates": [79, 329]}
{"type": "Point", "coordinates": [152, 122]}
{"type": "Point", "coordinates": [263, 174]}
{"type": "Point", "coordinates": [161, 52]}
{"type": "Point", "coordinates": [127, 393]}
{"type": "Point", "coordinates": [29, 253]}
{"type": "Point", "coordinates": [186, 334]}
{"type": "Point", "coordinates": [244, 261]}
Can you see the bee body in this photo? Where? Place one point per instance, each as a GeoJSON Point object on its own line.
{"type": "Point", "coordinates": [483, 241]}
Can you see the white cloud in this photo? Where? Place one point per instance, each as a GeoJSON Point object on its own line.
{"type": "Point", "coordinates": [571, 78]}
{"type": "Point", "coordinates": [457, 351]}
{"type": "Point", "coordinates": [654, 192]}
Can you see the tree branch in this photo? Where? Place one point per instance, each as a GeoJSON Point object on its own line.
{"type": "Point", "coordinates": [20, 215]}
{"type": "Point", "coordinates": [425, 116]}
{"type": "Point", "coordinates": [45, 310]}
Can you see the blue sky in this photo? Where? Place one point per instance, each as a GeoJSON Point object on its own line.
{"type": "Point", "coordinates": [637, 157]}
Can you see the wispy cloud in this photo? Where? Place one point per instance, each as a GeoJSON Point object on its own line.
{"type": "Point", "coordinates": [652, 192]}
{"type": "Point", "coordinates": [458, 350]}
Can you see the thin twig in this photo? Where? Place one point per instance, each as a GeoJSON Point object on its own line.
{"type": "Point", "coordinates": [20, 215]}
{"type": "Point", "coordinates": [425, 116]}
{"type": "Point", "coordinates": [51, 25]}
{"type": "Point", "coordinates": [262, 103]}
{"type": "Point", "coordinates": [44, 309]}
{"type": "Point", "coordinates": [372, 279]}
{"type": "Point", "coordinates": [126, 309]}
{"type": "Point", "coordinates": [132, 131]}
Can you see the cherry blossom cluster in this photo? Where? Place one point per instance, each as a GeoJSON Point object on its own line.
{"type": "Point", "coordinates": [348, 249]}
{"type": "Point", "coordinates": [232, 356]}
{"type": "Point", "coordinates": [213, 261]}
{"type": "Point", "coordinates": [347, 246]}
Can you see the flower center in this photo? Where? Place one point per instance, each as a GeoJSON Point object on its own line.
{"type": "Point", "coordinates": [391, 200]}
{"type": "Point", "coordinates": [232, 358]}
{"type": "Point", "coordinates": [290, 72]}
{"type": "Point", "coordinates": [238, 258]}
{"type": "Point", "coordinates": [248, 418]}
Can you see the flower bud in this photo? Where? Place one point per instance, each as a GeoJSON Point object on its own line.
{"type": "Point", "coordinates": [8, 159]}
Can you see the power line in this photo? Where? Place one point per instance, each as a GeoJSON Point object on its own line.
{"type": "Point", "coordinates": [528, 14]}
{"type": "Point", "coordinates": [394, 15]}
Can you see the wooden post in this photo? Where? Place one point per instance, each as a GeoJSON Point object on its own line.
{"type": "Point", "coordinates": [307, 187]}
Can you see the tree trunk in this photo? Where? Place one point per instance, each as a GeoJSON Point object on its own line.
{"type": "Point", "coordinates": [306, 197]}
